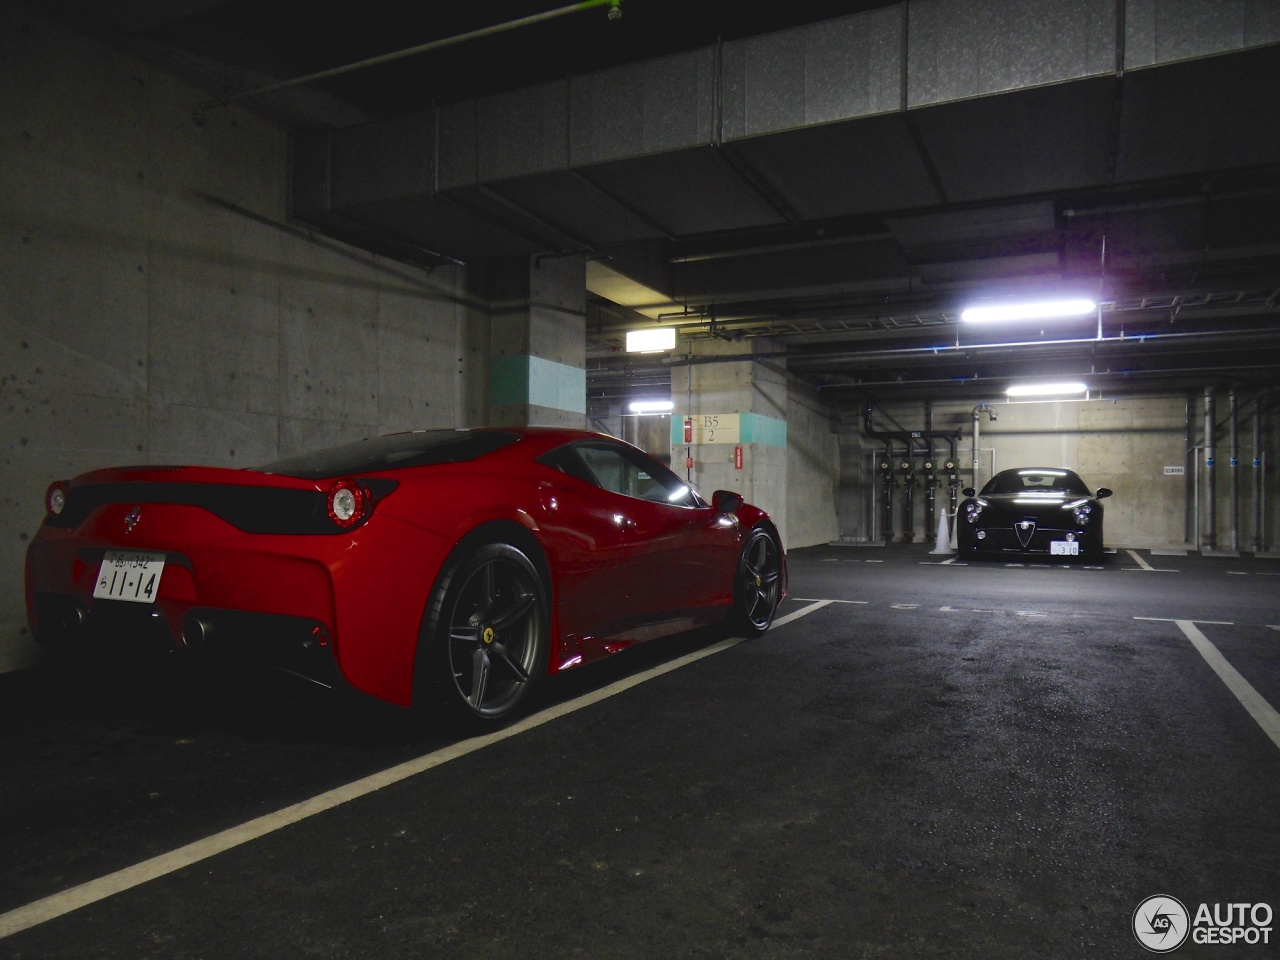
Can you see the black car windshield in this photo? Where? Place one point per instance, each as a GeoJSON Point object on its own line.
{"type": "Point", "coordinates": [420, 449]}
{"type": "Point", "coordinates": [1032, 481]}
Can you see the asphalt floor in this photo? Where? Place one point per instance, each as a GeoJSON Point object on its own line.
{"type": "Point", "coordinates": [923, 758]}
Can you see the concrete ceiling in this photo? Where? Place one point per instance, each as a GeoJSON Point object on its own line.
{"type": "Point", "coordinates": [836, 179]}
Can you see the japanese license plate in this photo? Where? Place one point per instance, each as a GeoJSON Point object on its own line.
{"type": "Point", "coordinates": [1064, 548]}
{"type": "Point", "coordinates": [129, 575]}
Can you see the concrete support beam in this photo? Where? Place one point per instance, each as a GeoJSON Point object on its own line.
{"type": "Point", "coordinates": [737, 411]}
{"type": "Point", "coordinates": [538, 347]}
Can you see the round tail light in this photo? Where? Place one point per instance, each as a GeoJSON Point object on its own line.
{"type": "Point", "coordinates": [348, 504]}
{"type": "Point", "coordinates": [55, 498]}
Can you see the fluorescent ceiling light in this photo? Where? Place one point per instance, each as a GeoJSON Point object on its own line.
{"type": "Point", "coordinates": [651, 340]}
{"type": "Point", "coordinates": [1037, 310]}
{"type": "Point", "coordinates": [1046, 389]}
{"type": "Point", "coordinates": [651, 406]}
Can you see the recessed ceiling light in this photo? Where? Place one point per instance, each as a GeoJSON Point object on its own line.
{"type": "Point", "coordinates": [651, 406]}
{"type": "Point", "coordinates": [1047, 389]}
{"type": "Point", "coordinates": [1034, 310]}
{"type": "Point", "coordinates": [651, 340]}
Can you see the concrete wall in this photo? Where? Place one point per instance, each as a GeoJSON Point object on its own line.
{"type": "Point", "coordinates": [156, 306]}
{"type": "Point", "coordinates": [813, 469]}
{"type": "Point", "coordinates": [1124, 444]}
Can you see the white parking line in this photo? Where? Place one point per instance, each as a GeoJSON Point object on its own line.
{"type": "Point", "coordinates": [60, 904]}
{"type": "Point", "coordinates": [1258, 708]}
{"type": "Point", "coordinates": [805, 611]}
{"type": "Point", "coordinates": [1138, 560]}
{"type": "Point", "coordinates": [1216, 623]}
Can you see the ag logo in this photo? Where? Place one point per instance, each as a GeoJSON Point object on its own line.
{"type": "Point", "coordinates": [1161, 924]}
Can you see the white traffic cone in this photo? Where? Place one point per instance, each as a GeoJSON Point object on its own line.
{"type": "Point", "coordinates": [944, 534]}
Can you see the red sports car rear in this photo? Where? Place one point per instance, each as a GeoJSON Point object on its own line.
{"type": "Point", "coordinates": [468, 563]}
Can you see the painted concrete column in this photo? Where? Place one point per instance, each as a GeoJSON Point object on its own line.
{"type": "Point", "coordinates": [730, 418]}
{"type": "Point", "coordinates": [537, 342]}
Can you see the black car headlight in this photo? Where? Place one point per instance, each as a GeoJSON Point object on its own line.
{"type": "Point", "coordinates": [972, 511]}
{"type": "Point", "coordinates": [1083, 513]}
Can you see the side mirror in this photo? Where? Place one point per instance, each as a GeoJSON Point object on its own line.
{"type": "Point", "coordinates": [726, 501]}
{"type": "Point", "coordinates": [1103, 492]}
{"type": "Point", "coordinates": [969, 492]}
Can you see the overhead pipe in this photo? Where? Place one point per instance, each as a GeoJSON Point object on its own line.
{"type": "Point", "coordinates": [615, 11]}
{"type": "Point", "coordinates": [1210, 524]}
{"type": "Point", "coordinates": [905, 435]}
{"type": "Point", "coordinates": [942, 349]}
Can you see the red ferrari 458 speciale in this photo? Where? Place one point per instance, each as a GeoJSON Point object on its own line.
{"type": "Point", "coordinates": [467, 563]}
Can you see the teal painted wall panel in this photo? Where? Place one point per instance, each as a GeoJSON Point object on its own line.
{"type": "Point", "coordinates": [757, 428]}
{"type": "Point", "coordinates": [543, 383]}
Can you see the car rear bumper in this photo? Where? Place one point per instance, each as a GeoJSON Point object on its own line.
{"type": "Point", "coordinates": [134, 633]}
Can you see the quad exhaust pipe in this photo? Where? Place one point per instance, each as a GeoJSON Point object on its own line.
{"type": "Point", "coordinates": [196, 632]}
{"type": "Point", "coordinates": [70, 619]}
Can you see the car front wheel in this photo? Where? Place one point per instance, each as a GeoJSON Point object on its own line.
{"type": "Point", "coordinates": [757, 585]}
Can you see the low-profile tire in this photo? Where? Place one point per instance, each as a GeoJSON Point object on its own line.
{"type": "Point", "coordinates": [757, 585]}
{"type": "Point", "coordinates": [485, 637]}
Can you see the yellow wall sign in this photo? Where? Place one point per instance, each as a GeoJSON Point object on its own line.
{"type": "Point", "coordinates": [717, 428]}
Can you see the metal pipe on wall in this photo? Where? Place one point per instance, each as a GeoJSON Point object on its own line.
{"type": "Point", "coordinates": [977, 450]}
{"type": "Point", "coordinates": [1234, 404]}
{"type": "Point", "coordinates": [976, 413]}
{"type": "Point", "coordinates": [1210, 524]}
{"type": "Point", "coordinates": [887, 479]}
{"type": "Point", "coordinates": [931, 476]}
{"type": "Point", "coordinates": [909, 437]}
{"type": "Point", "coordinates": [1190, 520]}
{"type": "Point", "coordinates": [1259, 515]}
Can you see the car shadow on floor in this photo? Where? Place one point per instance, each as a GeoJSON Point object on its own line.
{"type": "Point", "coordinates": [179, 698]}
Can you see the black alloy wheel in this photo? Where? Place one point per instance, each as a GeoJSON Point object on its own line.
{"type": "Point", "coordinates": [490, 625]}
{"type": "Point", "coordinates": [757, 588]}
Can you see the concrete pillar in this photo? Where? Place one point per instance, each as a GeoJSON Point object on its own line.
{"type": "Point", "coordinates": [537, 342]}
{"type": "Point", "coordinates": [738, 411]}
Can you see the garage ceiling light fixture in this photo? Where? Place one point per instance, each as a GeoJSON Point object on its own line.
{"type": "Point", "coordinates": [651, 406]}
{"type": "Point", "coordinates": [1047, 389]}
{"type": "Point", "coordinates": [1034, 310]}
{"type": "Point", "coordinates": [652, 340]}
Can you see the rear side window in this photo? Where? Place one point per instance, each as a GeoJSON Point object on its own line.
{"type": "Point", "coordinates": [622, 470]}
{"type": "Point", "coordinates": [421, 449]}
